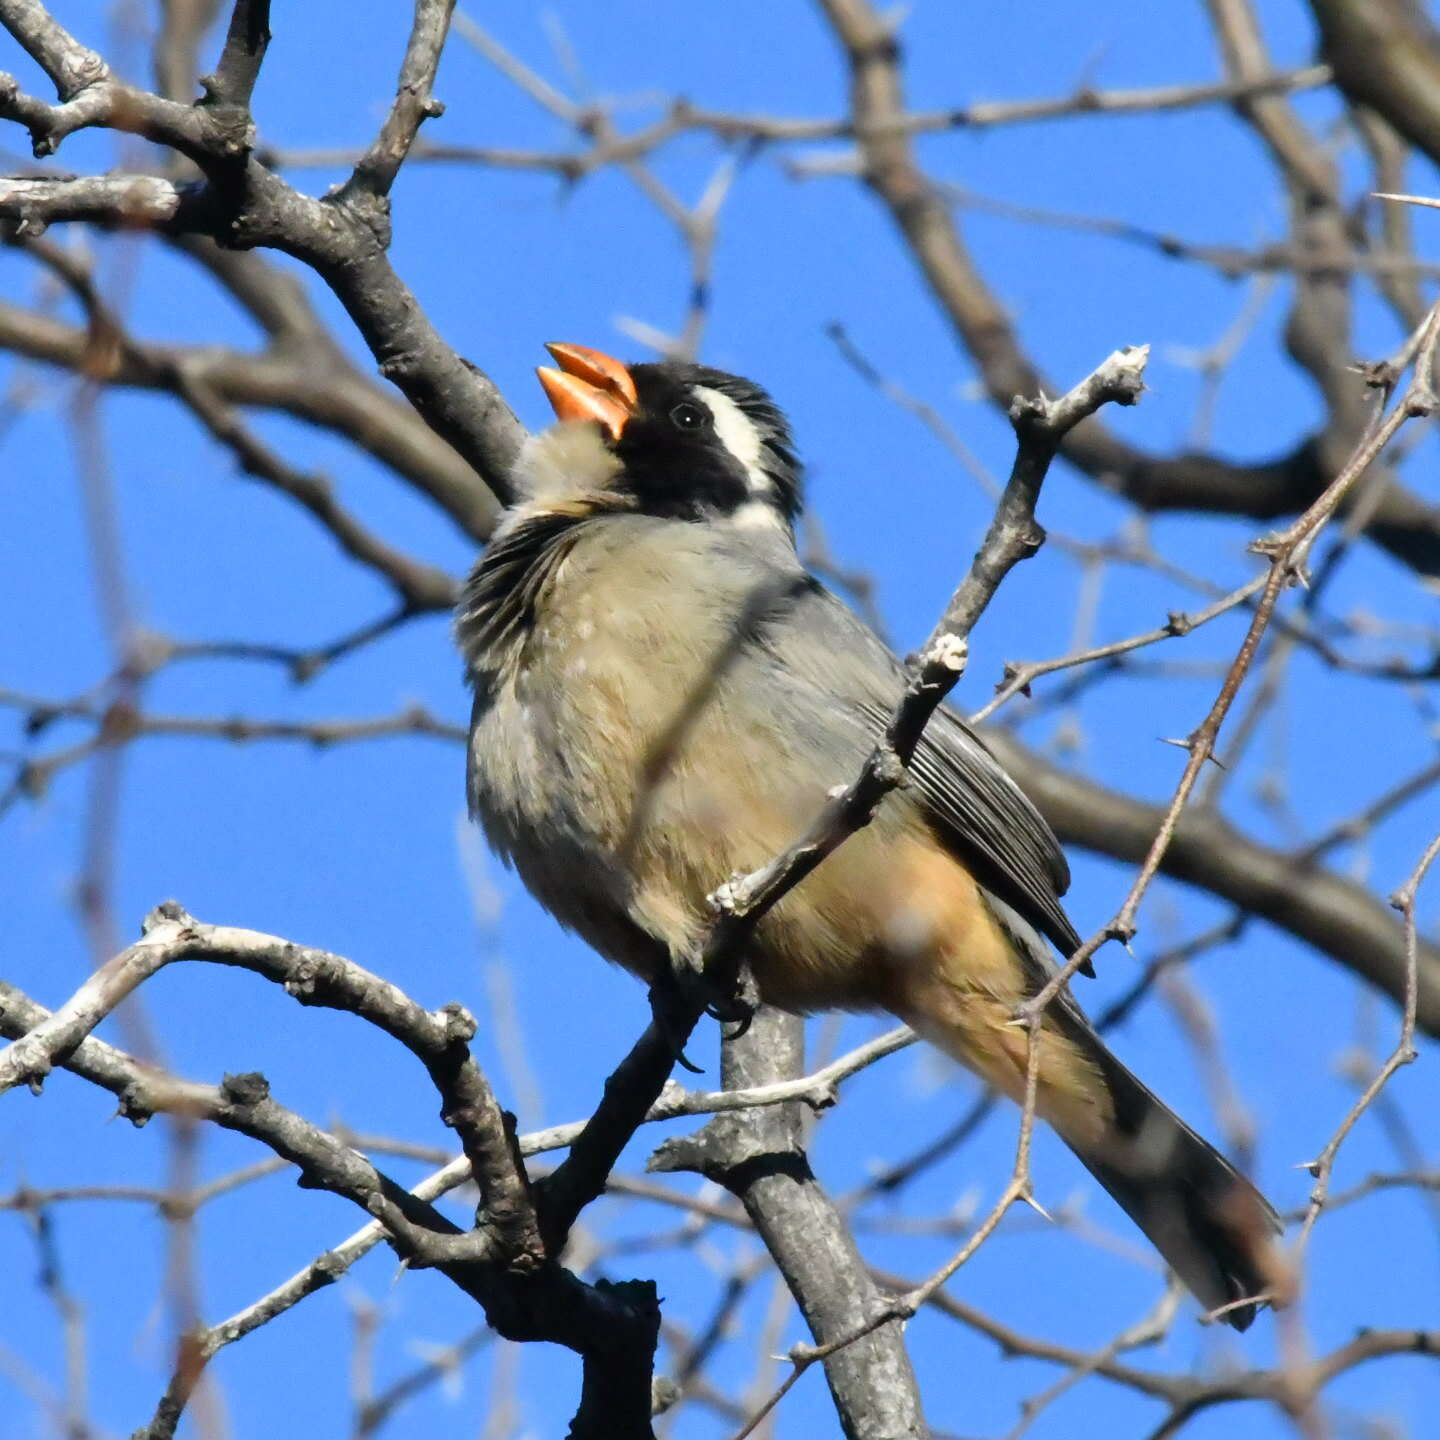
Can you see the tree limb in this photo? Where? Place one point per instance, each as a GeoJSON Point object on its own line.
{"type": "Point", "coordinates": [1386, 55]}
{"type": "Point", "coordinates": [343, 237]}
{"type": "Point", "coordinates": [1402, 523]}
{"type": "Point", "coordinates": [613, 1327]}
{"type": "Point", "coordinates": [758, 1155]}
{"type": "Point", "coordinates": [333, 396]}
{"type": "Point", "coordinates": [1337, 916]}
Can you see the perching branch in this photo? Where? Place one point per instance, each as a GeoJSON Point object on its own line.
{"type": "Point", "coordinates": [221, 190]}
{"type": "Point", "coordinates": [757, 1154]}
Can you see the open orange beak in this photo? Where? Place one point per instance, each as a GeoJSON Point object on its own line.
{"type": "Point", "coordinates": [589, 386]}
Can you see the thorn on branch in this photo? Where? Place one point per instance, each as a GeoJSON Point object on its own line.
{"type": "Point", "coordinates": [1377, 374]}
{"type": "Point", "coordinates": [1010, 672]}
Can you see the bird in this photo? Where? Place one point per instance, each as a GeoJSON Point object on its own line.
{"type": "Point", "coordinates": [664, 697]}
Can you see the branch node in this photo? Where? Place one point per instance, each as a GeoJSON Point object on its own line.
{"type": "Point", "coordinates": [247, 1089]}
{"type": "Point", "coordinates": [168, 912]}
{"type": "Point", "coordinates": [1029, 411]}
{"type": "Point", "coordinates": [949, 652]}
{"type": "Point", "coordinates": [457, 1022]}
{"type": "Point", "coordinates": [328, 1268]}
{"type": "Point", "coordinates": [133, 1108]}
{"type": "Point", "coordinates": [303, 981]}
{"type": "Point", "coordinates": [727, 898]}
{"type": "Point", "coordinates": [1010, 672]}
{"type": "Point", "coordinates": [1421, 403]}
{"type": "Point", "coordinates": [1377, 374]}
{"type": "Point", "coordinates": [889, 769]}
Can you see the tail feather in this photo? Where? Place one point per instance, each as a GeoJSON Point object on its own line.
{"type": "Point", "coordinates": [1211, 1225]}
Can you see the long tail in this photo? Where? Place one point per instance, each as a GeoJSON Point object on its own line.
{"type": "Point", "coordinates": [1211, 1225]}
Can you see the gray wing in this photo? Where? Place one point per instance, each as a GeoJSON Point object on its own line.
{"type": "Point", "coordinates": [991, 824]}
{"type": "Point", "coordinates": [978, 812]}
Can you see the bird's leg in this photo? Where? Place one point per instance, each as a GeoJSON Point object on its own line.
{"type": "Point", "coordinates": [674, 1015]}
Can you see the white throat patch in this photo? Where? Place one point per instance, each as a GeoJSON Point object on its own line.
{"type": "Point", "coordinates": [739, 436]}
{"type": "Point", "coordinates": [566, 459]}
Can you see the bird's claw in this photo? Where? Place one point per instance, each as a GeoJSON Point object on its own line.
{"type": "Point", "coordinates": [738, 1007]}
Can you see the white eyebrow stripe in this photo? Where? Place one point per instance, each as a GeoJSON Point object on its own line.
{"type": "Point", "coordinates": [738, 435]}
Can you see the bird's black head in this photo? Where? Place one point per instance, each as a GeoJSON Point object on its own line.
{"type": "Point", "coordinates": [692, 443]}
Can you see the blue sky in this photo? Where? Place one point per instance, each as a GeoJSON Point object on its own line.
{"type": "Point", "coordinates": [364, 850]}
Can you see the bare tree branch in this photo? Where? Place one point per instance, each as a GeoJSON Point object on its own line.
{"type": "Point", "coordinates": [683, 116]}
{"type": "Point", "coordinates": [332, 395]}
{"type": "Point", "coordinates": [246, 41]}
{"type": "Point", "coordinates": [420, 587]}
{"type": "Point", "coordinates": [1386, 55]}
{"type": "Point", "coordinates": [1403, 523]}
{"type": "Point", "coordinates": [438, 1041]}
{"type": "Point", "coordinates": [613, 1327]}
{"type": "Point", "coordinates": [343, 237]}
{"type": "Point", "coordinates": [376, 170]}
{"type": "Point", "coordinates": [213, 195]}
{"type": "Point", "coordinates": [1404, 1053]}
{"type": "Point", "coordinates": [1339, 917]}
{"type": "Point", "coordinates": [1287, 553]}
{"type": "Point", "coordinates": [758, 1155]}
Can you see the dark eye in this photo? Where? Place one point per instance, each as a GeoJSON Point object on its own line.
{"type": "Point", "coordinates": [688, 416]}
